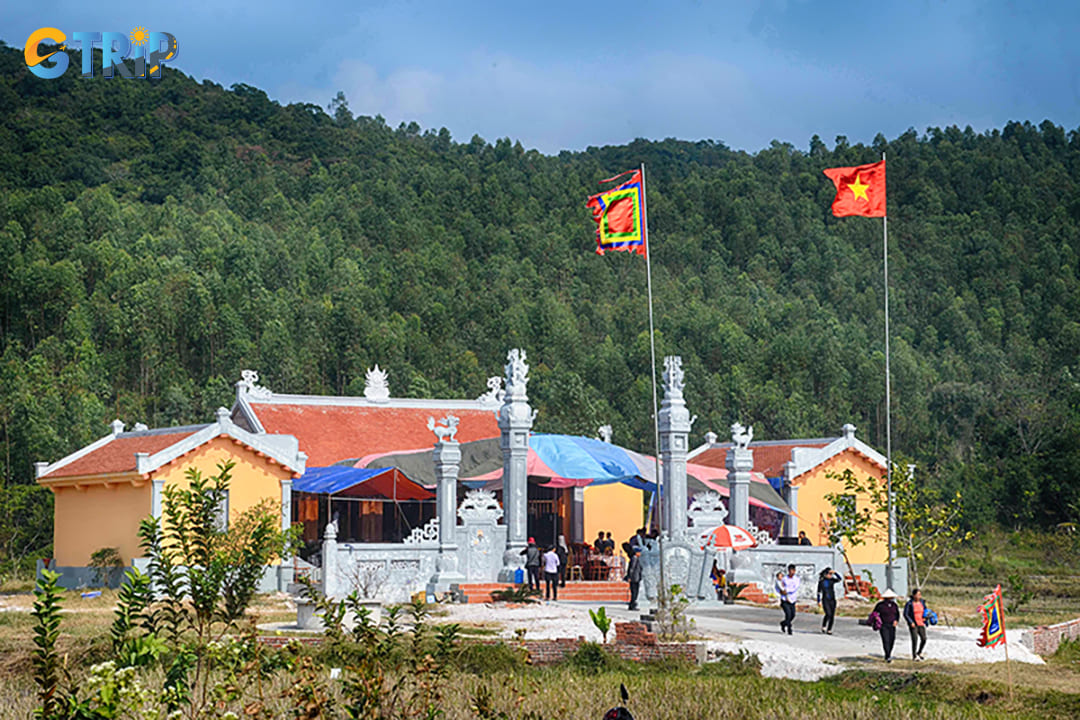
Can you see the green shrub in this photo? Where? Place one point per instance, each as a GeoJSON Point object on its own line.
{"type": "Point", "coordinates": [106, 563]}
{"type": "Point", "coordinates": [592, 658]}
{"type": "Point", "coordinates": [484, 659]}
{"type": "Point", "coordinates": [601, 620]}
{"type": "Point", "coordinates": [1067, 654]}
{"type": "Point", "coordinates": [735, 589]}
{"type": "Point", "coordinates": [517, 594]}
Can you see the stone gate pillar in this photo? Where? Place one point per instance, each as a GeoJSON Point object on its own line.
{"type": "Point", "coordinates": [329, 560]}
{"type": "Point", "coordinates": [515, 422]}
{"type": "Point", "coordinates": [740, 461]}
{"type": "Point", "coordinates": [791, 497]}
{"type": "Point", "coordinates": [447, 458]}
{"type": "Point", "coordinates": [674, 422]}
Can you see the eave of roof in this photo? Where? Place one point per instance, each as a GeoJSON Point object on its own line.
{"type": "Point", "coordinates": [143, 451]}
{"type": "Point", "coordinates": [805, 454]}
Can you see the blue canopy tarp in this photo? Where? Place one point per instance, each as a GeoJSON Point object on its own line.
{"type": "Point", "coordinates": [360, 482]}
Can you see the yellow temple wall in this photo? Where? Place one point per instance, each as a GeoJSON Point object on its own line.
{"type": "Point", "coordinates": [814, 509]}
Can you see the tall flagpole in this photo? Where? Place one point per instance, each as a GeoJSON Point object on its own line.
{"type": "Point", "coordinates": [656, 412]}
{"type": "Point", "coordinates": [888, 411]}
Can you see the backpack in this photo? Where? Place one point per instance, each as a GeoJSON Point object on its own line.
{"type": "Point", "coordinates": [930, 616]}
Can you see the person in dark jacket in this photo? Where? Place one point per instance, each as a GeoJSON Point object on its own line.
{"type": "Point", "coordinates": [609, 545]}
{"type": "Point", "coordinates": [532, 563]}
{"type": "Point", "coordinates": [633, 576]}
{"type": "Point", "coordinates": [889, 613]}
{"type": "Point", "coordinates": [915, 616]}
{"type": "Point", "coordinates": [599, 543]}
{"type": "Point", "coordinates": [826, 597]}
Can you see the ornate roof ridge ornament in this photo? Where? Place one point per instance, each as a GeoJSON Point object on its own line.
{"type": "Point", "coordinates": [376, 385]}
{"type": "Point", "coordinates": [495, 392]}
{"type": "Point", "coordinates": [248, 384]}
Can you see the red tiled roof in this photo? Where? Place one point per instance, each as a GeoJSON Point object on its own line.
{"type": "Point", "coordinates": [330, 433]}
{"type": "Point", "coordinates": [768, 459]}
{"type": "Point", "coordinates": [119, 455]}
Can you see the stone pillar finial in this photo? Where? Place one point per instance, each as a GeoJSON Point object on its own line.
{"type": "Point", "coordinates": [224, 417]}
{"type": "Point", "coordinates": [117, 426]}
{"type": "Point", "coordinates": [740, 461]}
{"type": "Point", "coordinates": [674, 425]}
{"type": "Point", "coordinates": [515, 422]}
{"type": "Point", "coordinates": [849, 431]}
{"type": "Point", "coordinates": [605, 432]}
{"type": "Point", "coordinates": [711, 437]}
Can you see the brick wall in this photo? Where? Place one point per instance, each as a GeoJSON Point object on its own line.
{"type": "Point", "coordinates": [1044, 640]}
{"type": "Point", "coordinates": [633, 641]}
{"type": "Point", "coordinates": [279, 641]}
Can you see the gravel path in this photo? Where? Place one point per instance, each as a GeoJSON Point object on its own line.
{"type": "Point", "coordinates": [806, 655]}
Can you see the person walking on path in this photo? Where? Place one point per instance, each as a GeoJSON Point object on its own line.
{"type": "Point", "coordinates": [788, 589]}
{"type": "Point", "coordinates": [563, 552]}
{"type": "Point", "coordinates": [633, 576]}
{"type": "Point", "coordinates": [551, 574]}
{"type": "Point", "coordinates": [889, 613]}
{"type": "Point", "coordinates": [826, 597]}
{"type": "Point", "coordinates": [915, 613]}
{"type": "Point", "coordinates": [532, 564]}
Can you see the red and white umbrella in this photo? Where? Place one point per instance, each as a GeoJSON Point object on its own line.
{"type": "Point", "coordinates": [727, 536]}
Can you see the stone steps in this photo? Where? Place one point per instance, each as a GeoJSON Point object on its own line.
{"type": "Point", "coordinates": [754, 594]}
{"type": "Point", "coordinates": [574, 591]}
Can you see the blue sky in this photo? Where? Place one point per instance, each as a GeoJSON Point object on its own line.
{"type": "Point", "coordinates": [560, 75]}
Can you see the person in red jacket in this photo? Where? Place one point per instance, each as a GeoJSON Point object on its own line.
{"type": "Point", "coordinates": [915, 616]}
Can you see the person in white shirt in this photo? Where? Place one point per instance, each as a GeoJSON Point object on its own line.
{"type": "Point", "coordinates": [787, 586]}
{"type": "Point", "coordinates": [551, 574]}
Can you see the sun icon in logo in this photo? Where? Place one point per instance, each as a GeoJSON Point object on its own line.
{"type": "Point", "coordinates": [139, 36]}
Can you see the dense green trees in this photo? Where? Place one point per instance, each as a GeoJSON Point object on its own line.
{"type": "Point", "coordinates": [155, 238]}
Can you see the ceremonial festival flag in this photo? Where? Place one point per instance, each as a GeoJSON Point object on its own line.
{"type": "Point", "coordinates": [619, 216]}
{"type": "Point", "coordinates": [993, 631]}
{"type": "Point", "coordinates": [859, 190]}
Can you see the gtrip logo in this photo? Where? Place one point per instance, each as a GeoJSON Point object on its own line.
{"type": "Point", "coordinates": [148, 51]}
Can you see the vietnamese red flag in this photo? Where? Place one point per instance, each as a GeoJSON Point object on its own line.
{"type": "Point", "coordinates": [859, 190]}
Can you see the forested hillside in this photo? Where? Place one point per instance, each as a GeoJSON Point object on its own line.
{"type": "Point", "coordinates": [158, 237]}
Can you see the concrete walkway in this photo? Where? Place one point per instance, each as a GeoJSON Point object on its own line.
{"type": "Point", "coordinates": [729, 628]}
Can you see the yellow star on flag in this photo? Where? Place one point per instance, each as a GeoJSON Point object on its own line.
{"type": "Point", "coordinates": [858, 188]}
